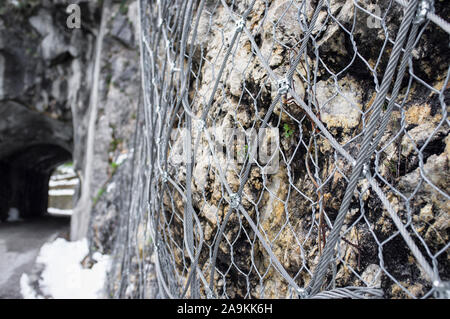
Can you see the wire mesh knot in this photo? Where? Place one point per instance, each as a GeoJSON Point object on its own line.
{"type": "Point", "coordinates": [283, 86]}
{"type": "Point", "coordinates": [164, 177]}
{"type": "Point", "coordinates": [365, 170]}
{"type": "Point", "coordinates": [424, 7]}
{"type": "Point", "coordinates": [235, 200]}
{"type": "Point", "coordinates": [442, 289]}
{"type": "Point", "coordinates": [302, 293]}
{"type": "Point", "coordinates": [240, 25]}
{"type": "Point", "coordinates": [200, 124]}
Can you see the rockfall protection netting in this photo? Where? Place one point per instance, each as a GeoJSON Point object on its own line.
{"type": "Point", "coordinates": [289, 149]}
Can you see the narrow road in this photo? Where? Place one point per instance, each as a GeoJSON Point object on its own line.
{"type": "Point", "coordinates": [19, 245]}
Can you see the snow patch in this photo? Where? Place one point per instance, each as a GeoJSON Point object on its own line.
{"type": "Point", "coordinates": [57, 177]}
{"type": "Point", "coordinates": [110, 187]}
{"type": "Point", "coordinates": [66, 169]}
{"type": "Point", "coordinates": [121, 158]}
{"type": "Point", "coordinates": [64, 182]}
{"type": "Point", "coordinates": [61, 192]}
{"type": "Point", "coordinates": [26, 290]}
{"type": "Point", "coordinates": [64, 277]}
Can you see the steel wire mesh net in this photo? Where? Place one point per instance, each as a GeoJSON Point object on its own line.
{"type": "Point", "coordinates": [266, 127]}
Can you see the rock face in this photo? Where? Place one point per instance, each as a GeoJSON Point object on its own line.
{"type": "Point", "coordinates": [46, 80]}
{"type": "Point", "coordinates": [44, 86]}
{"type": "Point", "coordinates": [295, 207]}
{"type": "Point", "coordinates": [140, 182]}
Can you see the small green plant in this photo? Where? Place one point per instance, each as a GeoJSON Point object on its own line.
{"type": "Point", "coordinates": [114, 167]}
{"type": "Point", "coordinates": [115, 144]}
{"type": "Point", "coordinates": [243, 153]}
{"type": "Point", "coordinates": [100, 192]}
{"type": "Point", "coordinates": [68, 164]}
{"type": "Point", "coordinates": [393, 167]}
{"type": "Point", "coordinates": [287, 130]}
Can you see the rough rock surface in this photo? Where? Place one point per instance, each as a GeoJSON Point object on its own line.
{"type": "Point", "coordinates": [45, 77]}
{"type": "Point", "coordinates": [285, 204]}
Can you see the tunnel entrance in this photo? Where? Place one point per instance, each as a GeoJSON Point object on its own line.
{"type": "Point", "coordinates": [25, 176]}
{"type": "Point", "coordinates": [32, 145]}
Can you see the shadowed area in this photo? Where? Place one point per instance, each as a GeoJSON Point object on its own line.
{"type": "Point", "coordinates": [32, 145]}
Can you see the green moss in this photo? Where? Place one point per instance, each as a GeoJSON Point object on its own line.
{"type": "Point", "coordinates": [113, 166]}
{"type": "Point", "coordinates": [100, 192]}
{"type": "Point", "coordinates": [114, 144]}
{"type": "Point", "coordinates": [108, 79]}
{"type": "Point", "coordinates": [287, 130]}
{"type": "Point", "coordinates": [393, 167]}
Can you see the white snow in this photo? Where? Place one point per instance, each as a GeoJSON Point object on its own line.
{"type": "Point", "coordinates": [110, 187]}
{"type": "Point", "coordinates": [26, 290]}
{"type": "Point", "coordinates": [64, 277]}
{"type": "Point", "coordinates": [64, 182]}
{"type": "Point", "coordinates": [57, 211]}
{"type": "Point", "coordinates": [121, 158]}
{"type": "Point", "coordinates": [66, 169]}
{"type": "Point", "coordinates": [13, 215]}
{"type": "Point", "coordinates": [61, 192]}
{"type": "Point", "coordinates": [62, 176]}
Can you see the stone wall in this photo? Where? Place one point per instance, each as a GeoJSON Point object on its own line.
{"type": "Point", "coordinates": [45, 85]}
{"type": "Point", "coordinates": [347, 63]}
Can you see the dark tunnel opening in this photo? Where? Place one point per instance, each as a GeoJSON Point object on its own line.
{"type": "Point", "coordinates": [32, 145]}
{"type": "Point", "coordinates": [25, 179]}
